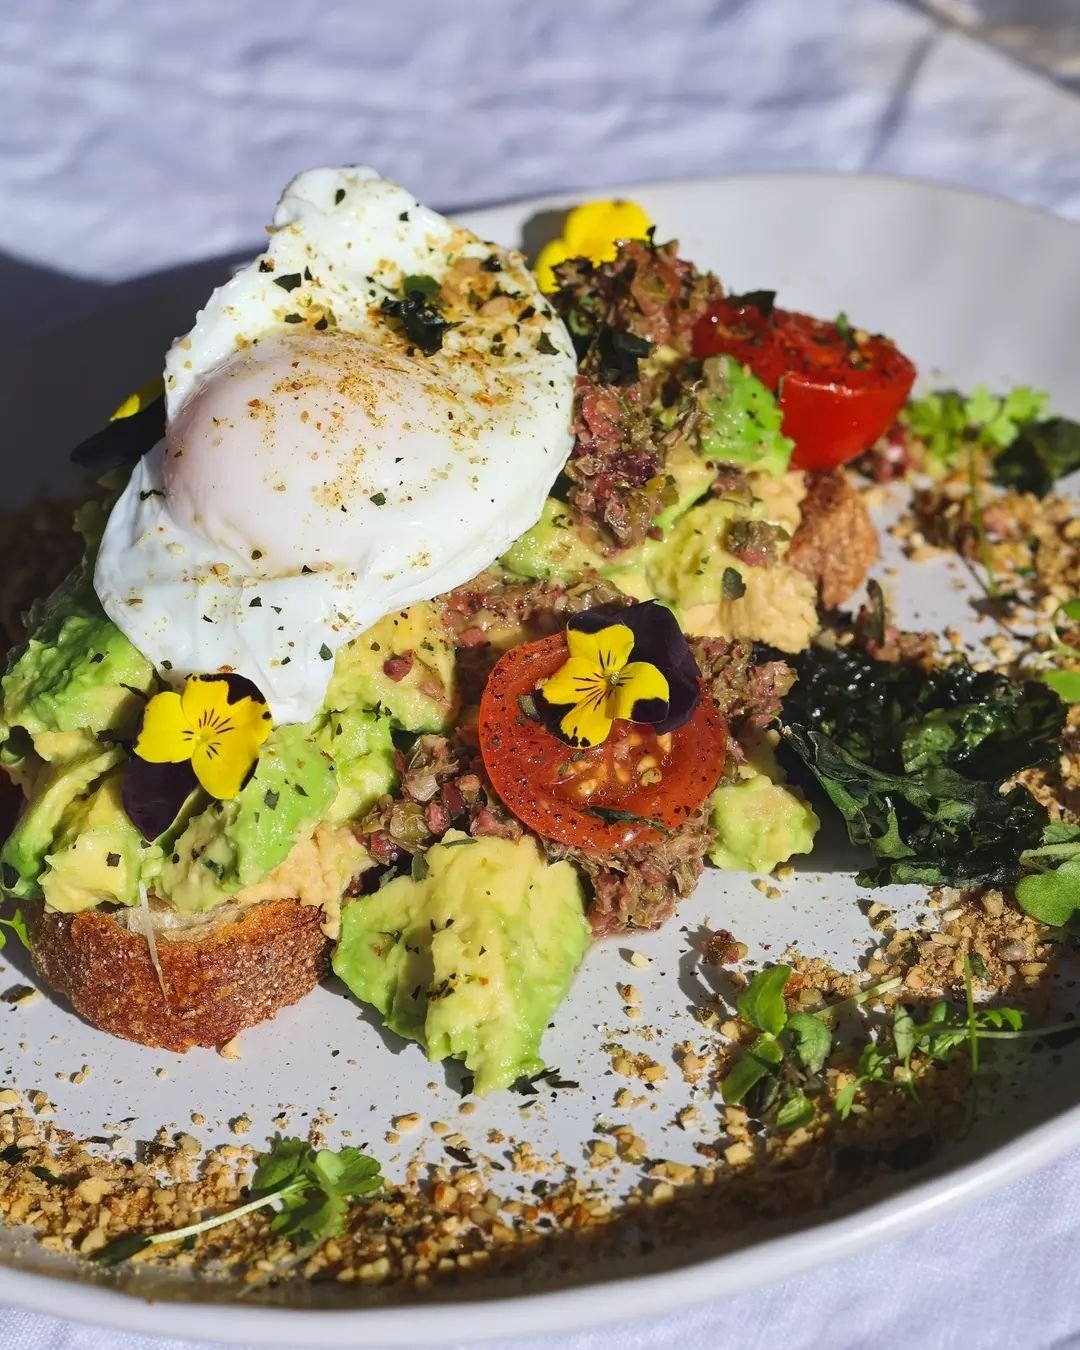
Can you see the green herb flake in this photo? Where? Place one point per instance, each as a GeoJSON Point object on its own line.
{"type": "Point", "coordinates": [289, 282]}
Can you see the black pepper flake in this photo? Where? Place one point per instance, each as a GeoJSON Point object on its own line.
{"type": "Point", "coordinates": [166, 665]}
{"type": "Point", "coordinates": [294, 318]}
{"type": "Point", "coordinates": [265, 265]}
{"type": "Point", "coordinates": [97, 658]}
{"type": "Point", "coordinates": [404, 215]}
{"type": "Point", "coordinates": [732, 585]}
{"type": "Point", "coordinates": [207, 619]}
{"type": "Point", "coordinates": [339, 196]}
{"type": "Point", "coordinates": [545, 346]}
{"type": "Point", "coordinates": [307, 274]}
{"type": "Point", "coordinates": [112, 859]}
{"type": "Point", "coordinates": [285, 660]}
{"type": "Point", "coordinates": [256, 554]}
{"type": "Point", "coordinates": [301, 791]}
{"type": "Point", "coordinates": [255, 603]}
{"type": "Point", "coordinates": [305, 570]}
{"type": "Point", "coordinates": [270, 799]}
{"type": "Point", "coordinates": [321, 325]}
{"type": "Point", "coordinates": [289, 281]}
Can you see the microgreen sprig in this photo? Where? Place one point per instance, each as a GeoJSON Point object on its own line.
{"type": "Point", "coordinates": [308, 1187]}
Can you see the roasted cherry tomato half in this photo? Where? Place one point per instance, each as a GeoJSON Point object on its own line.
{"type": "Point", "coordinates": [837, 395]}
{"type": "Point", "coordinates": [631, 789]}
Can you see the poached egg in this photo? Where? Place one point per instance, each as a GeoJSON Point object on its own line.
{"type": "Point", "coordinates": [364, 416]}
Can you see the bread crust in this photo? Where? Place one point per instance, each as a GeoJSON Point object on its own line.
{"type": "Point", "coordinates": [219, 978]}
{"type": "Point", "coordinates": [836, 543]}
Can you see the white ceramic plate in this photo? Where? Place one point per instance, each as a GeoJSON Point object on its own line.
{"type": "Point", "coordinates": [976, 290]}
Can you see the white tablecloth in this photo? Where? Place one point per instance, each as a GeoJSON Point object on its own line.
{"type": "Point", "coordinates": [136, 135]}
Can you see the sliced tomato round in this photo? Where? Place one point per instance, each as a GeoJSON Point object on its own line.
{"type": "Point", "coordinates": [633, 788]}
{"type": "Point", "coordinates": [837, 395]}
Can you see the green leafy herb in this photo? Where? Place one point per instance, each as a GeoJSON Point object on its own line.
{"type": "Point", "coordinates": [761, 1003]}
{"type": "Point", "coordinates": [16, 923]}
{"type": "Point", "coordinates": [732, 586]}
{"type": "Point", "coordinates": [1050, 890]}
{"type": "Point", "coordinates": [947, 422]}
{"type": "Point", "coordinates": [915, 762]}
{"type": "Point", "coordinates": [421, 319]}
{"type": "Point", "coordinates": [811, 1040]}
{"type": "Point", "coordinates": [757, 1062]}
{"type": "Point", "coordinates": [796, 1111]}
{"type": "Point", "coordinates": [843, 327]}
{"type": "Point", "coordinates": [309, 1189]}
{"type": "Point", "coordinates": [613, 816]}
{"type": "Point", "coordinates": [1042, 453]}
{"type": "Point", "coordinates": [420, 285]}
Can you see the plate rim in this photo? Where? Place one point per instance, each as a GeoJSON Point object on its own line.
{"type": "Point", "coordinates": [617, 1299]}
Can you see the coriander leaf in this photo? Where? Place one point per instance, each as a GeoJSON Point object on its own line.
{"type": "Point", "coordinates": [757, 1062]}
{"type": "Point", "coordinates": [1064, 683]}
{"type": "Point", "coordinates": [1051, 897]}
{"type": "Point", "coordinates": [284, 1163]}
{"type": "Point", "coordinates": [761, 1003]}
{"type": "Point", "coordinates": [17, 924]}
{"type": "Point", "coordinates": [1042, 453]}
{"type": "Point", "coordinates": [797, 1110]}
{"type": "Point", "coordinates": [812, 1040]}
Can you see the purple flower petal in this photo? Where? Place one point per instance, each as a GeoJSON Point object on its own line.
{"type": "Point", "coordinates": [153, 794]}
{"type": "Point", "coordinates": [658, 639]}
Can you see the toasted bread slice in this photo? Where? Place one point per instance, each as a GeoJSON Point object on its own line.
{"type": "Point", "coordinates": [220, 973]}
{"type": "Point", "coordinates": [836, 543]}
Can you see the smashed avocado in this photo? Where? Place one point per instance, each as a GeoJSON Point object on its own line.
{"type": "Point", "coordinates": [689, 568]}
{"type": "Point", "coordinates": [403, 665]}
{"type": "Point", "coordinates": [77, 672]}
{"type": "Point", "coordinates": [553, 549]}
{"type": "Point", "coordinates": [742, 419]}
{"type": "Point", "coordinates": [362, 750]}
{"type": "Point", "coordinates": [96, 855]}
{"type": "Point", "coordinates": [758, 821]}
{"type": "Point", "coordinates": [471, 955]}
{"type": "Point", "coordinates": [55, 789]}
{"type": "Point", "coordinates": [234, 844]}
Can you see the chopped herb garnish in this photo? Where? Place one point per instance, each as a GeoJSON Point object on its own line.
{"type": "Point", "coordinates": [378, 499]}
{"type": "Point", "coordinates": [732, 585]}
{"type": "Point", "coordinates": [294, 318]}
{"type": "Point", "coordinates": [112, 859]}
{"type": "Point", "coordinates": [289, 282]}
{"type": "Point", "coordinates": [339, 196]}
{"type": "Point", "coordinates": [545, 346]}
{"type": "Point", "coordinates": [325, 653]}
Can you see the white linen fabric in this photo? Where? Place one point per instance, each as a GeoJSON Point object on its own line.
{"type": "Point", "coordinates": [136, 136]}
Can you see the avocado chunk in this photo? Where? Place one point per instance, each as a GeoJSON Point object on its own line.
{"type": "Point", "coordinates": [758, 821]}
{"type": "Point", "coordinates": [403, 665]}
{"type": "Point", "coordinates": [691, 475]}
{"type": "Point", "coordinates": [471, 958]}
{"type": "Point", "coordinates": [742, 419]}
{"type": "Point", "coordinates": [23, 855]}
{"type": "Point", "coordinates": [689, 566]}
{"type": "Point", "coordinates": [554, 549]}
{"type": "Point", "coordinates": [97, 853]}
{"type": "Point", "coordinates": [362, 750]}
{"type": "Point", "coordinates": [77, 671]}
{"type": "Point", "coordinates": [232, 845]}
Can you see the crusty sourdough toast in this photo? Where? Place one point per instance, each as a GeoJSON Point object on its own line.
{"type": "Point", "coordinates": [218, 975]}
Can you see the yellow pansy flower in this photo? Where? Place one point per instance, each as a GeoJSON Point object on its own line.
{"type": "Point", "coordinates": [146, 394]}
{"type": "Point", "coordinates": [602, 683]}
{"type": "Point", "coordinates": [591, 231]}
{"type": "Point", "coordinates": [218, 722]}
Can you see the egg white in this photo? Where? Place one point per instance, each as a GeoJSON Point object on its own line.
{"type": "Point", "coordinates": [319, 470]}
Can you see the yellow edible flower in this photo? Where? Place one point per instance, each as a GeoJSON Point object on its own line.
{"type": "Point", "coordinates": [211, 723]}
{"type": "Point", "coordinates": [602, 683]}
{"type": "Point", "coordinates": [146, 394]}
{"type": "Point", "coordinates": [591, 231]}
